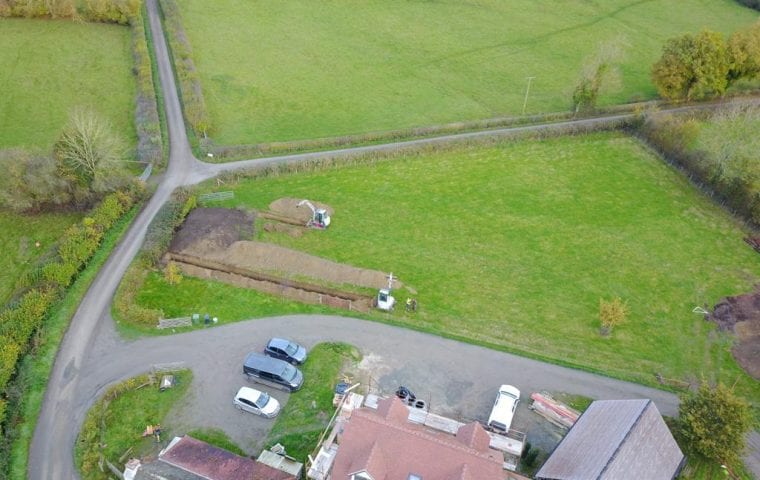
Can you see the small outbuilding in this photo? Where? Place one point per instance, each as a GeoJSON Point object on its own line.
{"type": "Point", "coordinates": [616, 440]}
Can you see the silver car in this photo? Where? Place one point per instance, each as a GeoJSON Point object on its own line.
{"type": "Point", "coordinates": [253, 401]}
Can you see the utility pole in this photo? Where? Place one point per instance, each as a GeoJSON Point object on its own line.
{"type": "Point", "coordinates": [527, 91]}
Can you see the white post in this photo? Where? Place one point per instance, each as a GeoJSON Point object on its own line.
{"type": "Point", "coordinates": [527, 91]}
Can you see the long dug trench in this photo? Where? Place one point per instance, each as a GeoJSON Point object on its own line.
{"type": "Point", "coordinates": [297, 290]}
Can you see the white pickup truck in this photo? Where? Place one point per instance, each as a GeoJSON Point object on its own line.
{"type": "Point", "coordinates": [504, 408]}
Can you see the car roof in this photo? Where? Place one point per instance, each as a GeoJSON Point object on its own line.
{"type": "Point", "coordinates": [264, 362]}
{"type": "Point", "coordinates": [509, 390]}
{"type": "Point", "coordinates": [249, 393]}
{"type": "Point", "coordinates": [279, 342]}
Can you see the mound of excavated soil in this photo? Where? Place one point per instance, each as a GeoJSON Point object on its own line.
{"type": "Point", "coordinates": [208, 230]}
{"type": "Point", "coordinates": [288, 207]}
{"type": "Point", "coordinates": [266, 257]}
{"type": "Point", "coordinates": [742, 315]}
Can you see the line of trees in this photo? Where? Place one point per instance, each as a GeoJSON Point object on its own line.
{"type": "Point", "coordinates": [23, 318]}
{"type": "Point", "coordinates": [694, 67]}
{"type": "Point", "coordinates": [106, 11]}
{"type": "Point", "coordinates": [719, 151]}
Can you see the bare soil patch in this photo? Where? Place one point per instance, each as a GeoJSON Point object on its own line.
{"type": "Point", "coordinates": [741, 314]}
{"type": "Point", "coordinates": [216, 240]}
{"type": "Point", "coordinates": [212, 229]}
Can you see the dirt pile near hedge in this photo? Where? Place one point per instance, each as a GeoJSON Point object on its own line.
{"type": "Point", "coordinates": [741, 314]}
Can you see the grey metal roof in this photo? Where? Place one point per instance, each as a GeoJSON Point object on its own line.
{"type": "Point", "coordinates": [616, 440]}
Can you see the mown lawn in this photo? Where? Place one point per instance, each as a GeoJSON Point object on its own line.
{"type": "Point", "coordinates": [117, 423]}
{"type": "Point", "coordinates": [299, 69]}
{"type": "Point", "coordinates": [305, 416]}
{"type": "Point", "coordinates": [513, 245]}
{"type": "Point", "coordinates": [17, 242]}
{"type": "Point", "coordinates": [47, 67]}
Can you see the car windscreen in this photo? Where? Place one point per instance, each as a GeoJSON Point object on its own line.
{"type": "Point", "coordinates": [262, 400]}
{"type": "Point", "coordinates": [291, 349]}
{"type": "Point", "coordinates": [289, 373]}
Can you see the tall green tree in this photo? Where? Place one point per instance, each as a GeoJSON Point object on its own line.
{"type": "Point", "coordinates": [714, 422]}
{"type": "Point", "coordinates": [692, 67]}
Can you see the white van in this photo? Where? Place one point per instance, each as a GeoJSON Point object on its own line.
{"type": "Point", "coordinates": [504, 408]}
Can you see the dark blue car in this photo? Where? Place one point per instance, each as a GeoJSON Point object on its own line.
{"type": "Point", "coordinates": [286, 350]}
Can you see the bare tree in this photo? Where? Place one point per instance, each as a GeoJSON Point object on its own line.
{"type": "Point", "coordinates": [88, 149]}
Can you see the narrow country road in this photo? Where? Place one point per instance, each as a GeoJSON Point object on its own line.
{"type": "Point", "coordinates": [92, 356]}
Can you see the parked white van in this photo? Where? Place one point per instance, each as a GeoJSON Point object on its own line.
{"type": "Point", "coordinates": [504, 408]}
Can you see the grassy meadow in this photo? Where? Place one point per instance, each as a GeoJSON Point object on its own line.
{"type": "Point", "coordinates": [300, 69]}
{"type": "Point", "coordinates": [513, 245]}
{"type": "Point", "coordinates": [18, 243]}
{"type": "Point", "coordinates": [47, 67]}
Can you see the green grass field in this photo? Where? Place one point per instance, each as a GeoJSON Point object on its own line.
{"type": "Point", "coordinates": [300, 69]}
{"type": "Point", "coordinates": [47, 67]}
{"type": "Point", "coordinates": [18, 243]}
{"type": "Point", "coordinates": [513, 245]}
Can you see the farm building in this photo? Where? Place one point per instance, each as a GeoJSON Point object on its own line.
{"type": "Point", "coordinates": [616, 440]}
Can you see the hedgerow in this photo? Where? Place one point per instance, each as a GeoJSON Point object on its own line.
{"type": "Point", "coordinates": [20, 321]}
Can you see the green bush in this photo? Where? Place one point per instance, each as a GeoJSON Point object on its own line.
{"type": "Point", "coordinates": [161, 229]}
{"type": "Point", "coordinates": [124, 303]}
{"type": "Point", "coordinates": [9, 353]}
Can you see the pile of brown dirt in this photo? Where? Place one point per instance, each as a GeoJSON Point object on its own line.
{"type": "Point", "coordinates": [212, 229]}
{"type": "Point", "coordinates": [266, 257]}
{"type": "Point", "coordinates": [288, 207]}
{"type": "Point", "coordinates": [741, 314]}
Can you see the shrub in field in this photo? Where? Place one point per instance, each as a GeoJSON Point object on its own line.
{"type": "Point", "coordinates": [714, 422]}
{"type": "Point", "coordinates": [110, 11]}
{"type": "Point", "coordinates": [172, 273]}
{"type": "Point", "coordinates": [598, 72]}
{"type": "Point", "coordinates": [612, 313]}
{"type": "Point", "coordinates": [30, 181]}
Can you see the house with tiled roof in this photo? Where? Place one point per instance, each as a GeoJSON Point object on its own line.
{"type": "Point", "coordinates": [186, 458]}
{"type": "Point", "coordinates": [381, 444]}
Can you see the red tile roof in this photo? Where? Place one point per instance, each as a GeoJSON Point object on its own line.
{"type": "Point", "coordinates": [388, 447]}
{"type": "Point", "coordinates": [214, 463]}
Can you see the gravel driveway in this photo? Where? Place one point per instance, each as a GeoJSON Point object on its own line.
{"type": "Point", "coordinates": [457, 379]}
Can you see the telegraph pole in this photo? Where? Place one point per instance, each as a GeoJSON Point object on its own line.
{"type": "Point", "coordinates": [527, 91]}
